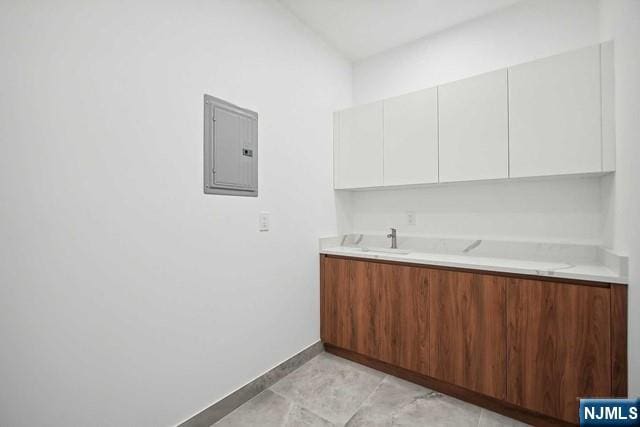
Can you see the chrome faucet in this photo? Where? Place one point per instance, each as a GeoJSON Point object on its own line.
{"type": "Point", "coordinates": [394, 241]}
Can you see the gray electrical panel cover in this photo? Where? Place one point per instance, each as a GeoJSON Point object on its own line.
{"type": "Point", "coordinates": [230, 149]}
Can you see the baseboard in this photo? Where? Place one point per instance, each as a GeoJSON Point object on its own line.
{"type": "Point", "coordinates": [475, 398]}
{"type": "Point", "coordinates": [228, 404]}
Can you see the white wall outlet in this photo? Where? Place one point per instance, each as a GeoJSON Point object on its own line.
{"type": "Point", "coordinates": [263, 221]}
{"type": "Point", "coordinates": [411, 218]}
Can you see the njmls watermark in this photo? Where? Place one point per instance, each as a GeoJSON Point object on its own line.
{"type": "Point", "coordinates": [610, 412]}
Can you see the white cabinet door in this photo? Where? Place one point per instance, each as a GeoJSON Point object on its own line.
{"type": "Point", "coordinates": [554, 115]}
{"type": "Point", "coordinates": [474, 133]}
{"type": "Point", "coordinates": [411, 138]}
{"type": "Point", "coordinates": [358, 147]}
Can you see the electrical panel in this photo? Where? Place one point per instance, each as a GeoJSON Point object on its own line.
{"type": "Point", "coordinates": [230, 149]}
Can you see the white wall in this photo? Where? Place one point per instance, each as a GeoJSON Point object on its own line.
{"type": "Point", "coordinates": [127, 297]}
{"type": "Point", "coordinates": [526, 31]}
{"type": "Point", "coordinates": [562, 210]}
{"type": "Point", "coordinates": [620, 20]}
{"type": "Point", "coordinates": [566, 209]}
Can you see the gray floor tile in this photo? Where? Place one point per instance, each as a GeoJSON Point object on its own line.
{"type": "Point", "coordinates": [269, 409]}
{"type": "Point", "coordinates": [329, 386]}
{"type": "Point", "coordinates": [329, 391]}
{"type": "Point", "coordinates": [400, 403]}
{"type": "Point", "coordinates": [436, 409]}
{"type": "Point", "coordinates": [491, 419]}
{"type": "Point", "coordinates": [303, 417]}
{"type": "Point", "coordinates": [390, 397]}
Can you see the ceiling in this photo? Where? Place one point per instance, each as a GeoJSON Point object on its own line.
{"type": "Point", "coordinates": [361, 28]}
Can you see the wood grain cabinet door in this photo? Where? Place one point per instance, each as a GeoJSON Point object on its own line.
{"type": "Point", "coordinates": [467, 329]}
{"type": "Point", "coordinates": [398, 303]}
{"type": "Point", "coordinates": [558, 345]}
{"type": "Point", "coordinates": [376, 309]}
{"type": "Point", "coordinates": [334, 303]}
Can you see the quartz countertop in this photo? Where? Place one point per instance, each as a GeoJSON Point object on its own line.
{"type": "Point", "coordinates": [567, 264]}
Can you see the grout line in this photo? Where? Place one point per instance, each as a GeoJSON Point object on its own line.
{"type": "Point", "coordinates": [367, 398]}
{"type": "Point", "coordinates": [288, 414]}
{"type": "Point", "coordinates": [280, 394]}
{"type": "Point", "coordinates": [299, 405]}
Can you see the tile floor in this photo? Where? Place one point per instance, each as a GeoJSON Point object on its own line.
{"type": "Point", "coordinates": [331, 391]}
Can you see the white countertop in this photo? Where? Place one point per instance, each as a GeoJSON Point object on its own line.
{"type": "Point", "coordinates": [593, 272]}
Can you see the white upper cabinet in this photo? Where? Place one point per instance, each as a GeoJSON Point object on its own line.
{"type": "Point", "coordinates": [474, 140]}
{"type": "Point", "coordinates": [411, 138]}
{"type": "Point", "coordinates": [358, 147]}
{"type": "Point", "coordinates": [607, 87]}
{"type": "Point", "coordinates": [555, 115]}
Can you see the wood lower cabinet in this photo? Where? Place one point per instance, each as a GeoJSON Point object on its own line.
{"type": "Point", "coordinates": [619, 361]}
{"type": "Point", "coordinates": [335, 310]}
{"type": "Point", "coordinates": [379, 310]}
{"type": "Point", "coordinates": [468, 339]}
{"type": "Point", "coordinates": [399, 303]}
{"type": "Point", "coordinates": [559, 345]}
{"type": "Point", "coordinates": [524, 347]}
